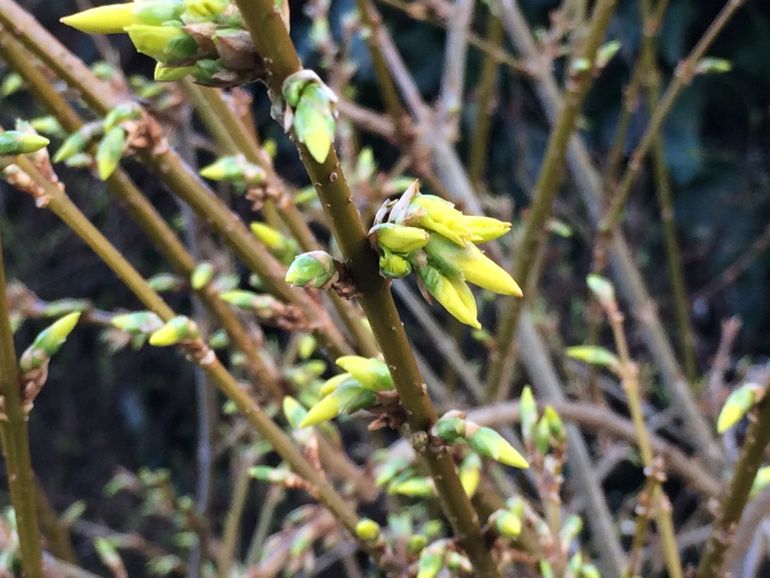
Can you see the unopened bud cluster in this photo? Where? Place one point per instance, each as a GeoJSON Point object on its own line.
{"type": "Point", "coordinates": [203, 39]}
{"type": "Point", "coordinates": [112, 138]}
{"type": "Point", "coordinates": [486, 442]}
{"type": "Point", "coordinates": [428, 235]}
{"type": "Point", "coordinates": [351, 391]}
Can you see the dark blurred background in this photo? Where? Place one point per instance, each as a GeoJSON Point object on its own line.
{"type": "Point", "coordinates": [135, 408]}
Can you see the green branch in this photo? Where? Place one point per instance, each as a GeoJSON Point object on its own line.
{"type": "Point", "coordinates": [15, 438]}
{"type": "Point", "coordinates": [273, 43]}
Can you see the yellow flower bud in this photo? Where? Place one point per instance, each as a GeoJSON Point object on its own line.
{"type": "Point", "coordinates": [371, 373]}
{"type": "Point", "coordinates": [436, 214]}
{"type": "Point", "coordinates": [333, 383]}
{"type": "Point", "coordinates": [485, 229]}
{"type": "Point", "coordinates": [399, 238]}
{"type": "Point", "coordinates": [345, 399]}
{"type": "Point", "coordinates": [472, 263]}
{"type": "Point", "coordinates": [108, 19]}
{"type": "Point", "coordinates": [452, 294]}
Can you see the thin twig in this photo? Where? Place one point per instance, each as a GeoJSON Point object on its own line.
{"type": "Point", "coordinates": [453, 79]}
{"type": "Point", "coordinates": [627, 276]}
{"type": "Point", "coordinates": [535, 234]}
{"type": "Point", "coordinates": [683, 76]}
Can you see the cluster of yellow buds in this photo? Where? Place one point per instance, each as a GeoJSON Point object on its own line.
{"type": "Point", "coordinates": [428, 235]}
{"type": "Point", "coordinates": [350, 391]}
{"type": "Point", "coordinates": [203, 39]}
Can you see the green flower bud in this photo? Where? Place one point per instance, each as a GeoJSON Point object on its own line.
{"type": "Point", "coordinates": [62, 307]}
{"type": "Point", "coordinates": [416, 543]}
{"type": "Point", "coordinates": [571, 528]}
{"type": "Point", "coordinates": [314, 269]}
{"type": "Point", "coordinates": [219, 339]}
{"type": "Point", "coordinates": [110, 151]}
{"type": "Point", "coordinates": [390, 469]}
{"type": "Point", "coordinates": [458, 563]}
{"type": "Point", "coordinates": [431, 560]}
{"type": "Point", "coordinates": [394, 266]}
{"type": "Point", "coordinates": [489, 444]}
{"type": "Point", "coordinates": [12, 83]}
{"type": "Point", "coordinates": [474, 266]}
{"type": "Point", "coordinates": [294, 411]}
{"type": "Point", "coordinates": [710, 65]}
{"type": "Point", "coordinates": [168, 73]}
{"type": "Point", "coordinates": [433, 528]}
{"type": "Point", "coordinates": [367, 530]}
{"type": "Point", "coordinates": [48, 342]}
{"type": "Point", "coordinates": [399, 238]}
{"type": "Point", "coordinates": [761, 481]}
{"type": "Point", "coordinates": [121, 113]}
{"type": "Point", "coordinates": [108, 19]}
{"type": "Point", "coordinates": [234, 169]}
{"type": "Point", "coordinates": [177, 330]}
{"type": "Point", "coordinates": [333, 383]}
{"type": "Point", "coordinates": [80, 161]}
{"type": "Point", "coordinates": [546, 570]}
{"type": "Point", "coordinates": [590, 571]}
{"type": "Point", "coordinates": [575, 563]}
{"type": "Point", "coordinates": [412, 487]}
{"type": "Point", "coordinates": [737, 405]}
{"type": "Point", "coordinates": [470, 474]}
{"type": "Point", "coordinates": [47, 125]}
{"type": "Point", "coordinates": [268, 474]}
{"type": "Point", "coordinates": [369, 372]}
{"type": "Point", "coordinates": [158, 12]}
{"type": "Point", "coordinates": [202, 275]}
{"type": "Point", "coordinates": [167, 44]}
{"type": "Point", "coordinates": [204, 10]}
{"type": "Point", "coordinates": [103, 70]}
{"type": "Point", "coordinates": [450, 428]}
{"type": "Point", "coordinates": [542, 436]}
{"type": "Point", "coordinates": [507, 524]}
{"type": "Point", "coordinates": [347, 398]}
{"type": "Point", "coordinates": [137, 323]}
{"type": "Point", "coordinates": [606, 52]}
{"type": "Point", "coordinates": [601, 288]}
{"type": "Point", "coordinates": [484, 229]}
{"type": "Point", "coordinates": [279, 245]}
{"type": "Point", "coordinates": [76, 143]}
{"type": "Point", "coordinates": [107, 552]}
{"type": "Point", "coordinates": [528, 411]}
{"type": "Point", "coordinates": [306, 345]}
{"type": "Point", "coordinates": [595, 355]}
{"type": "Point", "coordinates": [261, 304]}
{"type": "Point", "coordinates": [555, 425]}
{"type": "Point", "coordinates": [440, 216]}
{"type": "Point", "coordinates": [452, 293]}
{"type": "Point", "coordinates": [13, 142]}
{"type": "Point", "coordinates": [164, 282]}
{"type": "Point", "coordinates": [313, 121]}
